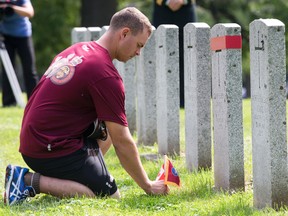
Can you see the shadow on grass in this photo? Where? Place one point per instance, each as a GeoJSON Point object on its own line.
{"type": "Point", "coordinates": [195, 197]}
{"type": "Point", "coordinates": [182, 202]}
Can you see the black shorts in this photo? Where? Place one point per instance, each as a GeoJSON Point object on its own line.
{"type": "Point", "coordinates": [80, 166]}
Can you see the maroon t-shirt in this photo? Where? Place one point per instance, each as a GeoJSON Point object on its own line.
{"type": "Point", "coordinates": [80, 85]}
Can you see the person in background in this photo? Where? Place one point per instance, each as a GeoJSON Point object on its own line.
{"type": "Point", "coordinates": [64, 136]}
{"type": "Point", "coordinates": [177, 12]}
{"type": "Point", "coordinates": [16, 30]}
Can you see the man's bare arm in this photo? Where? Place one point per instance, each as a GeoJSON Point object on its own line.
{"type": "Point", "coordinates": [128, 155]}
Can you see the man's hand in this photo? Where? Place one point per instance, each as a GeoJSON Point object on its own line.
{"type": "Point", "coordinates": [175, 5]}
{"type": "Point", "coordinates": [158, 188]}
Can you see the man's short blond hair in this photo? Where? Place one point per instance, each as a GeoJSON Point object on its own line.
{"type": "Point", "coordinates": [131, 18]}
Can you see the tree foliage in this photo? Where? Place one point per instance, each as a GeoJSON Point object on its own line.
{"type": "Point", "coordinates": [54, 20]}
{"type": "Point", "coordinates": [52, 26]}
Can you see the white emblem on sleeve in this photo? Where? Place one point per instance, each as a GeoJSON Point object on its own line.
{"type": "Point", "coordinates": [62, 69]}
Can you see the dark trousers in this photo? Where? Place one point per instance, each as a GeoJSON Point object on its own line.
{"type": "Point", "coordinates": [186, 14]}
{"type": "Point", "coordinates": [23, 46]}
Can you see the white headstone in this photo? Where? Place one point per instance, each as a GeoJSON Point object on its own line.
{"type": "Point", "coordinates": [80, 34]}
{"type": "Point", "coordinates": [167, 89]}
{"type": "Point", "coordinates": [95, 33]}
{"type": "Point", "coordinates": [226, 49]}
{"type": "Point", "coordinates": [197, 79]}
{"type": "Point", "coordinates": [268, 100]}
{"type": "Point", "coordinates": [146, 93]}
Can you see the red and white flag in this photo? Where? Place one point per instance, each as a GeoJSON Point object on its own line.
{"type": "Point", "coordinates": [161, 174]}
{"type": "Point", "coordinates": [168, 173]}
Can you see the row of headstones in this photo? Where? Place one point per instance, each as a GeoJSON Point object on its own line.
{"type": "Point", "coordinates": [212, 61]}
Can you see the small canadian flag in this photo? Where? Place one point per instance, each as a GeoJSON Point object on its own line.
{"type": "Point", "coordinates": [168, 173]}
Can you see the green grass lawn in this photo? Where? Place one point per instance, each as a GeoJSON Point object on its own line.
{"type": "Point", "coordinates": [195, 197]}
